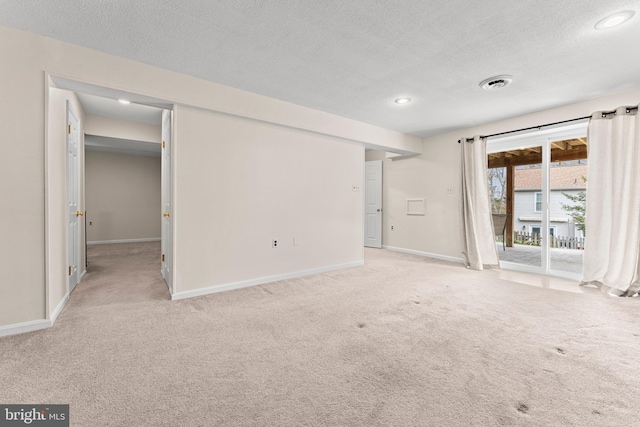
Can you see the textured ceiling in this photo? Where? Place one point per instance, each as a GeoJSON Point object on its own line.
{"type": "Point", "coordinates": [354, 57]}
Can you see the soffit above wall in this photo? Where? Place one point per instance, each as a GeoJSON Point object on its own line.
{"type": "Point", "coordinates": [122, 146]}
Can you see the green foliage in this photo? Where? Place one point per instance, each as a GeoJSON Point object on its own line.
{"type": "Point", "coordinates": [578, 208]}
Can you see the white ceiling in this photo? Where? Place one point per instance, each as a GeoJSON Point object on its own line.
{"type": "Point", "coordinates": [353, 58]}
{"type": "Point", "coordinates": [108, 107]}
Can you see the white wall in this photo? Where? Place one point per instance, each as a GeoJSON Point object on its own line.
{"type": "Point", "coordinates": [122, 196]}
{"type": "Point", "coordinates": [430, 174]}
{"type": "Point", "coordinates": [244, 183]}
{"type": "Point", "coordinates": [26, 276]}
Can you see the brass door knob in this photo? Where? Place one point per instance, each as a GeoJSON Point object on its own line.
{"type": "Point", "coordinates": [166, 214]}
{"type": "Point", "coordinates": [79, 213]}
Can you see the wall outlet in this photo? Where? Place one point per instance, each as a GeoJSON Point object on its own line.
{"type": "Point", "coordinates": [449, 190]}
{"type": "Point", "coordinates": [274, 243]}
{"type": "Point", "coordinates": [355, 188]}
{"type": "Point", "coordinates": [392, 227]}
{"type": "Point", "coordinates": [296, 241]}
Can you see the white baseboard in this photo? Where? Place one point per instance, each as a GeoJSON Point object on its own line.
{"type": "Point", "coordinates": [35, 325]}
{"type": "Point", "coordinates": [424, 254]}
{"type": "Point", "coordinates": [108, 242]}
{"type": "Point", "coordinates": [84, 273]}
{"type": "Point", "coordinates": [260, 281]}
{"type": "Point", "coordinates": [21, 328]}
{"type": "Point", "coordinates": [63, 302]}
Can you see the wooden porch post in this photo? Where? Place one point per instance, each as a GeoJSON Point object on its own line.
{"type": "Point", "coordinates": [510, 197]}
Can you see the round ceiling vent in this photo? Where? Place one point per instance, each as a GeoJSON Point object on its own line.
{"type": "Point", "coordinates": [496, 82]}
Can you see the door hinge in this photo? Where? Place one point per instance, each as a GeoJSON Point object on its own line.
{"type": "Point", "coordinates": [162, 144]}
{"type": "Point", "coordinates": [162, 257]}
{"type": "Point", "coordinates": [69, 129]}
{"type": "Point", "coordinates": [69, 270]}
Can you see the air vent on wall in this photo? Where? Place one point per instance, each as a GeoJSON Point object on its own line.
{"type": "Point", "coordinates": [496, 82]}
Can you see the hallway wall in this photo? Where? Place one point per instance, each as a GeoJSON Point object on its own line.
{"type": "Point", "coordinates": [123, 197]}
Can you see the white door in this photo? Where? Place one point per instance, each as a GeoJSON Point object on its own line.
{"type": "Point", "coordinates": [167, 241]}
{"type": "Point", "coordinates": [73, 195]}
{"type": "Point", "coordinates": [373, 204]}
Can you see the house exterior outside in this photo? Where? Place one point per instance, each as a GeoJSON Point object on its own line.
{"type": "Point", "coordinates": [564, 178]}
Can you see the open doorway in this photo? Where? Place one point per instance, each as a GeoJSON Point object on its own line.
{"type": "Point", "coordinates": [123, 174]}
{"type": "Point", "coordinates": [112, 157]}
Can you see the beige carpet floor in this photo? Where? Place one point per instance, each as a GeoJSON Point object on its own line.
{"type": "Point", "coordinates": [400, 341]}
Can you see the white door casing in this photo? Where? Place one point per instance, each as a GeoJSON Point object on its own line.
{"type": "Point", "coordinates": [373, 204]}
{"type": "Point", "coordinates": [73, 196]}
{"type": "Point", "coordinates": [167, 229]}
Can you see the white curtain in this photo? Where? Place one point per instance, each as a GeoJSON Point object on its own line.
{"type": "Point", "coordinates": [479, 246]}
{"type": "Point", "coordinates": [612, 247]}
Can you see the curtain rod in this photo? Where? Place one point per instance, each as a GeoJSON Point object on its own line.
{"type": "Point", "coordinates": [604, 113]}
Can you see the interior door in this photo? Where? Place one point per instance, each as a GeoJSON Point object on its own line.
{"type": "Point", "coordinates": [167, 241]}
{"type": "Point", "coordinates": [373, 204]}
{"type": "Point", "coordinates": [73, 195]}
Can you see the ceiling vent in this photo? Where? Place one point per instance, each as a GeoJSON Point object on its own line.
{"type": "Point", "coordinates": [496, 82]}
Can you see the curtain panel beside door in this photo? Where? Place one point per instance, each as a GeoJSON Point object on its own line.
{"type": "Point", "coordinates": [479, 247]}
{"type": "Point", "coordinates": [612, 247]}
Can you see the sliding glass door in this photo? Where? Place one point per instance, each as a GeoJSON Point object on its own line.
{"type": "Point", "coordinates": [538, 181]}
{"type": "Point", "coordinates": [516, 191]}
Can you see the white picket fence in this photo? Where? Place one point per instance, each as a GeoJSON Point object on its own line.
{"type": "Point", "coordinates": [554, 241]}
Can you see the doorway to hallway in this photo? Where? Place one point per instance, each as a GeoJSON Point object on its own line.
{"type": "Point", "coordinates": [100, 125]}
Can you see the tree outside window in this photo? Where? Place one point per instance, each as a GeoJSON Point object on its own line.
{"type": "Point", "coordinates": [578, 208]}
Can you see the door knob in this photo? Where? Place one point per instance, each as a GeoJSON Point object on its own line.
{"type": "Point", "coordinates": [379, 210]}
{"type": "Point", "coordinates": [79, 213]}
{"type": "Point", "coordinates": [166, 214]}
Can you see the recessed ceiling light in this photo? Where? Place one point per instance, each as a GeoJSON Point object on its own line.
{"type": "Point", "coordinates": [402, 101]}
{"type": "Point", "coordinates": [614, 20]}
{"type": "Point", "coordinates": [496, 82]}
{"type": "Point", "coordinates": [124, 101]}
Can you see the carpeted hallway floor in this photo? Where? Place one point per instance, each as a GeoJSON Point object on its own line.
{"type": "Point", "coordinates": [401, 341]}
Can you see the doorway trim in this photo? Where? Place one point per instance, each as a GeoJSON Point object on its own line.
{"type": "Point", "coordinates": [55, 182]}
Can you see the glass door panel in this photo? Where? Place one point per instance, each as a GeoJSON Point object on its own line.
{"type": "Point", "coordinates": [516, 189]}
{"type": "Point", "coordinates": [568, 173]}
